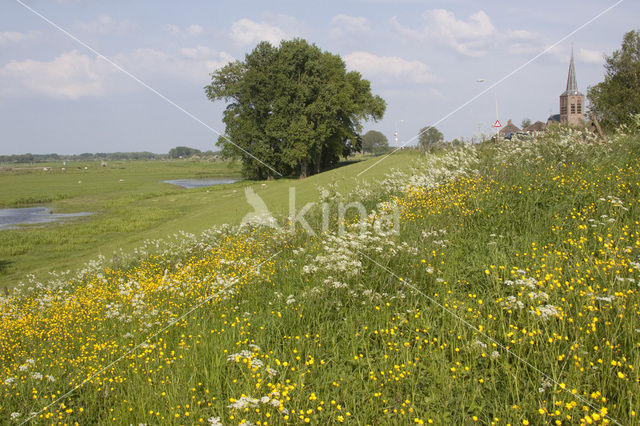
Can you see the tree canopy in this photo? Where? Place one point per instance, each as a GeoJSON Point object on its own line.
{"type": "Point", "coordinates": [292, 109]}
{"type": "Point", "coordinates": [617, 99]}
{"type": "Point", "coordinates": [374, 142]}
{"type": "Point", "coordinates": [183, 152]}
{"type": "Point", "coordinates": [430, 137]}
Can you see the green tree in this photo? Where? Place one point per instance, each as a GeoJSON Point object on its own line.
{"type": "Point", "coordinates": [526, 122]}
{"type": "Point", "coordinates": [292, 109]}
{"type": "Point", "coordinates": [617, 99]}
{"type": "Point", "coordinates": [374, 142]}
{"type": "Point", "coordinates": [430, 137]}
{"type": "Point", "coordinates": [183, 152]}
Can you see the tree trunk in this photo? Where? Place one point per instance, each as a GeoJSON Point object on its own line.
{"type": "Point", "coordinates": [303, 169]}
{"type": "Point", "coordinates": [318, 160]}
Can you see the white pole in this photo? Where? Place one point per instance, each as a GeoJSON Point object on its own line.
{"type": "Point", "coordinates": [495, 94]}
{"type": "Point", "coordinates": [397, 129]}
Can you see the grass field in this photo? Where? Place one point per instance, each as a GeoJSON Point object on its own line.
{"type": "Point", "coordinates": [140, 208]}
{"type": "Point", "coordinates": [508, 295]}
{"type": "Point", "coordinates": [121, 210]}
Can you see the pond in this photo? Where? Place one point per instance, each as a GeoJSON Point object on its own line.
{"type": "Point", "coordinates": [9, 218]}
{"type": "Point", "coordinates": [199, 183]}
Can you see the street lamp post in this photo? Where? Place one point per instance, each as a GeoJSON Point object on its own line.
{"type": "Point", "coordinates": [495, 95]}
{"type": "Point", "coordinates": [395, 134]}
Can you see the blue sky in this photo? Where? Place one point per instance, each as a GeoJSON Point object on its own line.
{"type": "Point", "coordinates": [423, 57]}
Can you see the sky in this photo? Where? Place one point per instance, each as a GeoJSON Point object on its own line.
{"type": "Point", "coordinates": [104, 76]}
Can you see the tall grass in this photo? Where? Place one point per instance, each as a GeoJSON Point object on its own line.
{"type": "Point", "coordinates": [509, 296]}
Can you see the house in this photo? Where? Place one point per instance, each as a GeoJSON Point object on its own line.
{"type": "Point", "coordinates": [555, 118]}
{"type": "Point", "coordinates": [535, 128]}
{"type": "Point", "coordinates": [509, 129]}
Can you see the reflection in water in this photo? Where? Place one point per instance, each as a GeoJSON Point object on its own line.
{"type": "Point", "coordinates": [198, 183]}
{"type": "Point", "coordinates": [30, 215]}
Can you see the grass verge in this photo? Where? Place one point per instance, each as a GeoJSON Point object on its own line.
{"type": "Point", "coordinates": [508, 296]}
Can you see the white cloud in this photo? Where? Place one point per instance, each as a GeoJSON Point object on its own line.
{"type": "Point", "coordinates": [389, 67]}
{"type": "Point", "coordinates": [73, 75]}
{"type": "Point", "coordinates": [558, 52]}
{"type": "Point", "coordinates": [11, 37]}
{"type": "Point", "coordinates": [70, 75]}
{"type": "Point", "coordinates": [344, 26]}
{"type": "Point", "coordinates": [106, 25]}
{"type": "Point", "coordinates": [194, 29]}
{"type": "Point", "coordinates": [469, 38]}
{"type": "Point", "coordinates": [522, 42]}
{"type": "Point", "coordinates": [473, 37]}
{"type": "Point", "coordinates": [203, 52]}
{"type": "Point", "coordinates": [591, 56]}
{"type": "Point", "coordinates": [192, 64]}
{"type": "Point", "coordinates": [435, 94]}
{"type": "Point", "coordinates": [245, 32]}
{"type": "Point", "coordinates": [190, 31]}
{"type": "Point", "coordinates": [522, 35]}
{"type": "Point", "coordinates": [8, 38]}
{"type": "Point", "coordinates": [172, 29]}
{"type": "Point", "coordinates": [289, 24]}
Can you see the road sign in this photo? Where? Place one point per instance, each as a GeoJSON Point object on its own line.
{"type": "Point", "coordinates": [497, 124]}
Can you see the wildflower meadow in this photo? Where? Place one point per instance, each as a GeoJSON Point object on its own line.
{"type": "Point", "coordinates": [506, 292]}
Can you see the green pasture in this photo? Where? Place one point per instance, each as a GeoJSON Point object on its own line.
{"type": "Point", "coordinates": [130, 204]}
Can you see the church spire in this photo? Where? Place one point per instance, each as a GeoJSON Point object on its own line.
{"type": "Point", "coordinates": [572, 83]}
{"type": "Point", "coordinates": [572, 101]}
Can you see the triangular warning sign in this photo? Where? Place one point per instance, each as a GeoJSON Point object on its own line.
{"type": "Point", "coordinates": [497, 124]}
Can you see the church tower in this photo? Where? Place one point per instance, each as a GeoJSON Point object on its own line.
{"type": "Point", "coordinates": [572, 101]}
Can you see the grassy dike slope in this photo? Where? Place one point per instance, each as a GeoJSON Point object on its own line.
{"type": "Point", "coordinates": [509, 295]}
{"type": "Point", "coordinates": [139, 208]}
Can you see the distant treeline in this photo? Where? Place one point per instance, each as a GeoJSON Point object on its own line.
{"type": "Point", "coordinates": [177, 152]}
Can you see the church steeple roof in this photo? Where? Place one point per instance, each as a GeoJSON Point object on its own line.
{"type": "Point", "coordinates": [572, 83]}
